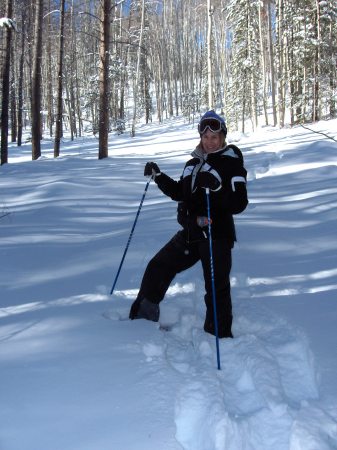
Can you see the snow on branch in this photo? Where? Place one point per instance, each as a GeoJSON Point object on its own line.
{"type": "Point", "coordinates": [8, 23]}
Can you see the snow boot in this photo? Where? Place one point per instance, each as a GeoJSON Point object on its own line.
{"type": "Point", "coordinates": [224, 331]}
{"type": "Point", "coordinates": [144, 309]}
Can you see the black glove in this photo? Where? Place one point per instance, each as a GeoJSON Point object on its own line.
{"type": "Point", "coordinates": [151, 170]}
{"type": "Point", "coordinates": [207, 180]}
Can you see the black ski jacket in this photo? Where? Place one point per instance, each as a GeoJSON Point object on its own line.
{"type": "Point", "coordinates": [226, 165]}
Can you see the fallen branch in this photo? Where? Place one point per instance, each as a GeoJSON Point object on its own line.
{"type": "Point", "coordinates": [319, 132]}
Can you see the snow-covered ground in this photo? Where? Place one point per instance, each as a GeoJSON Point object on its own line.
{"type": "Point", "coordinates": [76, 376]}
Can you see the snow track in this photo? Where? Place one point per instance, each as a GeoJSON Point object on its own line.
{"type": "Point", "coordinates": [266, 389]}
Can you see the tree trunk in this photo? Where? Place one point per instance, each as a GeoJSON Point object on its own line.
{"type": "Point", "coordinates": [20, 83]}
{"type": "Point", "coordinates": [282, 62]}
{"type": "Point", "coordinates": [263, 64]}
{"type": "Point", "coordinates": [272, 65]}
{"type": "Point", "coordinates": [332, 75]}
{"type": "Point", "coordinates": [13, 105]}
{"type": "Point", "coordinates": [104, 49]}
{"type": "Point", "coordinates": [135, 87]}
{"type": "Point", "coordinates": [74, 64]}
{"type": "Point", "coordinates": [5, 86]}
{"type": "Point", "coordinates": [36, 81]}
{"type": "Point", "coordinates": [252, 84]}
{"type": "Point", "coordinates": [317, 73]}
{"type": "Point", "coordinates": [209, 55]}
{"type": "Point", "coordinates": [59, 111]}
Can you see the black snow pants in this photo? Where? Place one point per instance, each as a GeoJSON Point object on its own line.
{"type": "Point", "coordinates": [178, 255]}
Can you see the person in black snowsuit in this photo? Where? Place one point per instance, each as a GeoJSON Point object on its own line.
{"type": "Point", "coordinates": [218, 167]}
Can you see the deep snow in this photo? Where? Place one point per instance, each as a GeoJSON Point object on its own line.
{"type": "Point", "coordinates": [74, 376]}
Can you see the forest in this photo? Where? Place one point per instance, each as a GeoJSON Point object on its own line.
{"type": "Point", "coordinates": [86, 66]}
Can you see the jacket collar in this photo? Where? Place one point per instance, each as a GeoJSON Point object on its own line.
{"type": "Point", "coordinates": [226, 151]}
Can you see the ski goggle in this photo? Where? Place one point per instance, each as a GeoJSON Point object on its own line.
{"type": "Point", "coordinates": [214, 125]}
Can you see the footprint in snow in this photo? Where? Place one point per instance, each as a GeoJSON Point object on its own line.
{"type": "Point", "coordinates": [267, 376]}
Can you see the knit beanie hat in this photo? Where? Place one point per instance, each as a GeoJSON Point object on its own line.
{"type": "Point", "coordinates": [211, 120]}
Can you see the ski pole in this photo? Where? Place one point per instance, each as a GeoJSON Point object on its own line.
{"type": "Point", "coordinates": [130, 237]}
{"type": "Point", "coordinates": [212, 278]}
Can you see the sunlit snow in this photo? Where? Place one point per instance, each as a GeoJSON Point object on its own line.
{"type": "Point", "coordinates": [76, 374]}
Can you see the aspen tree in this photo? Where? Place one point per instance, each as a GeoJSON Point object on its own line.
{"type": "Point", "coordinates": [136, 82]}
{"type": "Point", "coordinates": [210, 11]}
{"type": "Point", "coordinates": [59, 111]}
{"type": "Point", "coordinates": [36, 81]}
